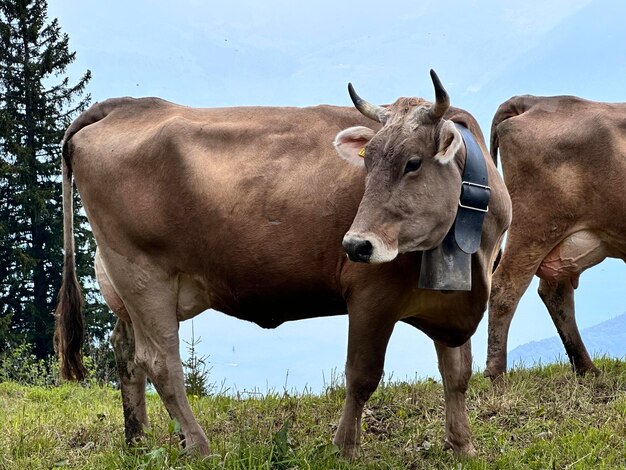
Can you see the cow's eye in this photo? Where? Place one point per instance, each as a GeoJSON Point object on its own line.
{"type": "Point", "coordinates": [413, 164]}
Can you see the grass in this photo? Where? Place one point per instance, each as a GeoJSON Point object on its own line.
{"type": "Point", "coordinates": [539, 418]}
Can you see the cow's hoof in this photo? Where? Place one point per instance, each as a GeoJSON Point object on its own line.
{"type": "Point", "coordinates": [465, 450]}
{"type": "Point", "coordinates": [195, 443]}
{"type": "Point", "coordinates": [588, 370]}
{"type": "Point", "coordinates": [196, 449]}
{"type": "Point", "coordinates": [136, 441]}
{"type": "Point", "coordinates": [349, 451]}
{"type": "Point", "coordinates": [494, 374]}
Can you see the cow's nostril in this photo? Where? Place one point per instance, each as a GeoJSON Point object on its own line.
{"type": "Point", "coordinates": [358, 250]}
{"type": "Point", "coordinates": [364, 251]}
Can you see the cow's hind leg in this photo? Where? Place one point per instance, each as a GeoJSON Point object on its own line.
{"type": "Point", "coordinates": [132, 381]}
{"type": "Point", "coordinates": [455, 365]}
{"type": "Point", "coordinates": [132, 377]}
{"type": "Point", "coordinates": [150, 297]}
{"type": "Point", "coordinates": [511, 279]}
{"type": "Point", "coordinates": [559, 299]}
{"type": "Point", "coordinates": [367, 343]}
{"type": "Point", "coordinates": [157, 351]}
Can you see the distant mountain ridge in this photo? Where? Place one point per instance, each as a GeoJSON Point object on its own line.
{"type": "Point", "coordinates": [606, 338]}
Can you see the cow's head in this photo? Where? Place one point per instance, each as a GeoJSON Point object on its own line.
{"type": "Point", "coordinates": [413, 179]}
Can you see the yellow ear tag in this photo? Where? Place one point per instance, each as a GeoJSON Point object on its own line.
{"type": "Point", "coordinates": [362, 153]}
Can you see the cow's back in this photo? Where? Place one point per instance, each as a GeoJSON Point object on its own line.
{"type": "Point", "coordinates": [565, 155]}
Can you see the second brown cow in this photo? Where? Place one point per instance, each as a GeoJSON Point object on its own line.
{"type": "Point", "coordinates": [564, 164]}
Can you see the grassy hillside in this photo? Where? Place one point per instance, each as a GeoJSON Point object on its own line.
{"type": "Point", "coordinates": [537, 418]}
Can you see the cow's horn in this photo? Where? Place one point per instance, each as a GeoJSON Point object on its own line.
{"type": "Point", "coordinates": [442, 100]}
{"type": "Point", "coordinates": [377, 113]}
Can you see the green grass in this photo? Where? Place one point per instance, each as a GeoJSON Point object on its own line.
{"type": "Point", "coordinates": [540, 418]}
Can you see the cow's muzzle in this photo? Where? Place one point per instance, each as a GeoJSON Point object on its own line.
{"type": "Point", "coordinates": [358, 249]}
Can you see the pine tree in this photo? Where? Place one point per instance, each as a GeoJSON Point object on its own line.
{"type": "Point", "coordinates": [37, 103]}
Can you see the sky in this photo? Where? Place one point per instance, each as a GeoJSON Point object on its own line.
{"type": "Point", "coordinates": [278, 52]}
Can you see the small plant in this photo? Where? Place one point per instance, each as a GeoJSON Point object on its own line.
{"type": "Point", "coordinates": [196, 372]}
{"type": "Point", "coordinates": [100, 363]}
{"type": "Point", "coordinates": [20, 365]}
{"type": "Point", "coordinates": [151, 454]}
{"type": "Point", "coordinates": [281, 448]}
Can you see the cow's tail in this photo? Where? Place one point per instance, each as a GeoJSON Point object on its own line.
{"type": "Point", "coordinates": [510, 108]}
{"type": "Point", "coordinates": [69, 327]}
{"type": "Point", "coordinates": [69, 320]}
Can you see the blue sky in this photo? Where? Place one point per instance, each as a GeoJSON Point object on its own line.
{"type": "Point", "coordinates": [277, 52]}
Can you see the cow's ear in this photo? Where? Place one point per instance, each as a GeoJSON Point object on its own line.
{"type": "Point", "coordinates": [350, 144]}
{"type": "Point", "coordinates": [450, 141]}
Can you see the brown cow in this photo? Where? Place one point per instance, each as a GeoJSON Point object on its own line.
{"type": "Point", "coordinates": [564, 163]}
{"type": "Point", "coordinates": [244, 210]}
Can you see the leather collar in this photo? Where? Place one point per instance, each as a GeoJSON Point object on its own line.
{"type": "Point", "coordinates": [475, 192]}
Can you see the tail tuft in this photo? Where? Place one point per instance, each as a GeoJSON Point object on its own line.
{"type": "Point", "coordinates": [69, 329]}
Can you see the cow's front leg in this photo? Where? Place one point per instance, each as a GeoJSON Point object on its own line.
{"type": "Point", "coordinates": [455, 365]}
{"type": "Point", "coordinates": [559, 299]}
{"type": "Point", "coordinates": [368, 337]}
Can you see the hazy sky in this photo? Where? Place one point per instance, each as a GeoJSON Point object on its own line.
{"type": "Point", "coordinates": [272, 52]}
